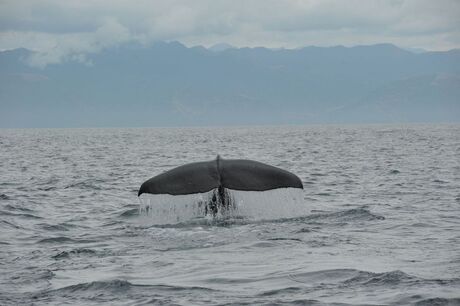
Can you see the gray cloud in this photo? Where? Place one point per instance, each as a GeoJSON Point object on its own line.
{"type": "Point", "coordinates": [68, 30]}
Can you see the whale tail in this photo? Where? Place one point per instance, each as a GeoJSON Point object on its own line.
{"type": "Point", "coordinates": [220, 174]}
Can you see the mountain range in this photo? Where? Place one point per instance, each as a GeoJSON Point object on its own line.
{"type": "Point", "coordinates": [169, 84]}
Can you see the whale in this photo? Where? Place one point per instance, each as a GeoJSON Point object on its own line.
{"type": "Point", "coordinates": [220, 175]}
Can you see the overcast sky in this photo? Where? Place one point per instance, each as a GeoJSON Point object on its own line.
{"type": "Point", "coordinates": [61, 30]}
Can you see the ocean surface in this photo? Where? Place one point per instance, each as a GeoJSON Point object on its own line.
{"type": "Point", "coordinates": [377, 224]}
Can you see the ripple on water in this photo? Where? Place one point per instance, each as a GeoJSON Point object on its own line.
{"type": "Point", "coordinates": [4, 197]}
{"type": "Point", "coordinates": [75, 252]}
{"type": "Point", "coordinates": [376, 223]}
{"type": "Point", "coordinates": [63, 239]}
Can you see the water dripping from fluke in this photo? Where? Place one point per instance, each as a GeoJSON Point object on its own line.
{"type": "Point", "coordinates": [249, 205]}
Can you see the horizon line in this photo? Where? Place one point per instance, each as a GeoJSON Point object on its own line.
{"type": "Point", "coordinates": [209, 47]}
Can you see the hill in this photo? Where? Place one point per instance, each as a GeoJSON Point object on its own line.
{"type": "Point", "coordinates": [168, 84]}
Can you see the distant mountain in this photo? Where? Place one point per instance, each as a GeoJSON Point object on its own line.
{"type": "Point", "coordinates": [220, 47]}
{"type": "Point", "coordinates": [168, 84]}
{"type": "Point", "coordinates": [416, 50]}
{"type": "Point", "coordinates": [426, 98]}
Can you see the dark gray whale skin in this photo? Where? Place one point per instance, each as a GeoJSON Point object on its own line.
{"type": "Point", "coordinates": [236, 174]}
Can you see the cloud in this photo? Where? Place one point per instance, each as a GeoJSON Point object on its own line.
{"type": "Point", "coordinates": [69, 30]}
{"type": "Point", "coordinates": [55, 48]}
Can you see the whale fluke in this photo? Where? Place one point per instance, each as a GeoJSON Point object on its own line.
{"type": "Point", "coordinates": [220, 174]}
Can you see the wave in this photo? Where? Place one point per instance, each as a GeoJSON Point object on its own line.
{"type": "Point", "coordinates": [88, 184]}
{"type": "Point", "coordinates": [286, 290]}
{"type": "Point", "coordinates": [342, 217]}
{"type": "Point", "coordinates": [62, 239]}
{"type": "Point", "coordinates": [4, 197]}
{"type": "Point", "coordinates": [129, 213]}
{"type": "Point", "coordinates": [8, 224]}
{"type": "Point", "coordinates": [345, 216]}
{"type": "Point", "coordinates": [119, 292]}
{"type": "Point", "coordinates": [438, 302]}
{"type": "Point", "coordinates": [56, 227]}
{"type": "Point", "coordinates": [17, 207]}
{"type": "Point", "coordinates": [340, 282]}
{"type": "Point", "coordinates": [381, 279]}
{"type": "Point", "coordinates": [358, 278]}
{"type": "Point", "coordinates": [116, 284]}
{"type": "Point", "coordinates": [67, 254]}
{"type": "Point", "coordinates": [119, 285]}
{"type": "Point", "coordinates": [22, 215]}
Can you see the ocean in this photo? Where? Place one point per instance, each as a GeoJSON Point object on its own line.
{"type": "Point", "coordinates": [377, 224]}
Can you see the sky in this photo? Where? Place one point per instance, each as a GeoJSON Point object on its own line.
{"type": "Point", "coordinates": [60, 30]}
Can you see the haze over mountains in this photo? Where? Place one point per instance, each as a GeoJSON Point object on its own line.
{"type": "Point", "coordinates": [168, 84]}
